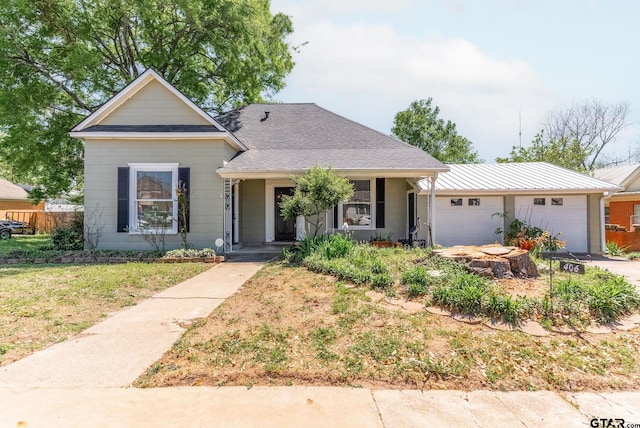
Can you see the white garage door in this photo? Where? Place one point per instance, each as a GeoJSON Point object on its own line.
{"type": "Point", "coordinates": [565, 214]}
{"type": "Point", "coordinates": [467, 220]}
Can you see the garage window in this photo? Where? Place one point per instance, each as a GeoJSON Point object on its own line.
{"type": "Point", "coordinates": [539, 201]}
{"type": "Point", "coordinates": [557, 201]}
{"type": "Point", "coordinates": [456, 202]}
{"type": "Point", "coordinates": [474, 202]}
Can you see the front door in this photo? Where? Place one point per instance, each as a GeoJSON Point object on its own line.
{"type": "Point", "coordinates": [285, 229]}
{"type": "Point", "coordinates": [411, 211]}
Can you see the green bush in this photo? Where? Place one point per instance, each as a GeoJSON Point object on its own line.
{"type": "Point", "coordinates": [464, 293]}
{"type": "Point", "coordinates": [613, 249]}
{"type": "Point", "coordinates": [69, 237]}
{"type": "Point", "coordinates": [609, 300]}
{"type": "Point", "coordinates": [417, 280]}
{"type": "Point", "coordinates": [510, 309]}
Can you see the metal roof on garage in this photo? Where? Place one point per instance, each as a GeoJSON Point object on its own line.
{"type": "Point", "coordinates": [522, 177]}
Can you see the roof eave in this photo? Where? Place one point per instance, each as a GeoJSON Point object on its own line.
{"type": "Point", "coordinates": [502, 192]}
{"type": "Point", "coordinates": [285, 173]}
{"type": "Point", "coordinates": [223, 135]}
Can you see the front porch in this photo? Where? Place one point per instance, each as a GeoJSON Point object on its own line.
{"type": "Point", "coordinates": [252, 221]}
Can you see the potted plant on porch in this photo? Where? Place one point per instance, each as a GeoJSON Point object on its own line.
{"type": "Point", "coordinates": [382, 240]}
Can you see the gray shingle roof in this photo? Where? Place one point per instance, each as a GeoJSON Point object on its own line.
{"type": "Point", "coordinates": [295, 137]}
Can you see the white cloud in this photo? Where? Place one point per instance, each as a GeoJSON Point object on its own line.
{"type": "Point", "coordinates": [368, 72]}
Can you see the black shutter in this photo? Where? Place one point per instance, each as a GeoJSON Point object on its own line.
{"type": "Point", "coordinates": [184, 176]}
{"type": "Point", "coordinates": [335, 216]}
{"type": "Point", "coordinates": [379, 203]}
{"type": "Point", "coordinates": [123, 198]}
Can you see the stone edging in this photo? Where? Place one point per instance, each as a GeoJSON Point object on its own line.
{"type": "Point", "coordinates": [108, 260]}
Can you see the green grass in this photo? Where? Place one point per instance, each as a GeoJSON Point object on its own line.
{"type": "Point", "coordinates": [29, 243]}
{"type": "Point", "coordinates": [44, 304]}
{"type": "Point", "coordinates": [346, 339]}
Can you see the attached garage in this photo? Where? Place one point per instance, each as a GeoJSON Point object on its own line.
{"type": "Point", "coordinates": [468, 218]}
{"type": "Point", "coordinates": [564, 214]}
{"type": "Point", "coordinates": [544, 195]}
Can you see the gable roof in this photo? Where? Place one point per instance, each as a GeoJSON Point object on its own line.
{"type": "Point", "coordinates": [130, 90]}
{"type": "Point", "coordinates": [621, 175]}
{"type": "Point", "coordinates": [8, 190]}
{"type": "Point", "coordinates": [516, 178]}
{"type": "Point", "coordinates": [290, 138]}
{"type": "Point", "coordinates": [91, 126]}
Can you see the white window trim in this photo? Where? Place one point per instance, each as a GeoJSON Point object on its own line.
{"type": "Point", "coordinates": [133, 206]}
{"type": "Point", "coordinates": [373, 202]}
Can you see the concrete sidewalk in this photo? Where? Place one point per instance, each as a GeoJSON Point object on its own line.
{"type": "Point", "coordinates": [116, 351]}
{"type": "Point", "coordinates": [307, 407]}
{"type": "Point", "coordinates": [84, 382]}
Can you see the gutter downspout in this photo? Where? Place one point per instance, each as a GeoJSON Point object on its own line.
{"type": "Point", "coordinates": [432, 209]}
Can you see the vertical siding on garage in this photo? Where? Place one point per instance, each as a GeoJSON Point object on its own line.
{"type": "Point", "coordinates": [252, 211]}
{"type": "Point", "coordinates": [154, 105]}
{"type": "Point", "coordinates": [102, 159]}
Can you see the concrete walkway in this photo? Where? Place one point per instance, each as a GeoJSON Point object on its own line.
{"type": "Point", "coordinates": [116, 351]}
{"type": "Point", "coordinates": [84, 382]}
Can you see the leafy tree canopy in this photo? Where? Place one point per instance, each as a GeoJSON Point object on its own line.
{"type": "Point", "coordinates": [564, 152]}
{"type": "Point", "coordinates": [419, 125]}
{"type": "Point", "coordinates": [61, 59]}
{"type": "Point", "coordinates": [315, 192]}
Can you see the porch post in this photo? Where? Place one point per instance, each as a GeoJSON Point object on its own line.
{"type": "Point", "coordinates": [432, 208]}
{"type": "Point", "coordinates": [236, 211]}
{"type": "Point", "coordinates": [228, 216]}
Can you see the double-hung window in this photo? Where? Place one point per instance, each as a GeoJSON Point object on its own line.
{"type": "Point", "coordinates": [359, 212]}
{"type": "Point", "coordinates": [153, 200]}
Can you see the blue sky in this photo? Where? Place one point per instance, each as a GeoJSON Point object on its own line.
{"type": "Point", "coordinates": [485, 63]}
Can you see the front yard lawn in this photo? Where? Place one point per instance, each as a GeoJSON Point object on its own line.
{"type": "Point", "coordinates": [290, 326]}
{"type": "Point", "coordinates": [44, 304]}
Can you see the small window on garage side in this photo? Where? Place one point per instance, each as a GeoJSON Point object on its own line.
{"type": "Point", "coordinates": [456, 202]}
{"type": "Point", "coordinates": [474, 202]}
{"type": "Point", "coordinates": [557, 201]}
{"type": "Point", "coordinates": [539, 201]}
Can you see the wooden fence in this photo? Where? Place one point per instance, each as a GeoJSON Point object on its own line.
{"type": "Point", "coordinates": [43, 221]}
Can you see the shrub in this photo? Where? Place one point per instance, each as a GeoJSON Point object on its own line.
{"type": "Point", "coordinates": [608, 300]}
{"type": "Point", "coordinates": [464, 293]}
{"type": "Point", "coordinates": [69, 237]}
{"type": "Point", "coordinates": [417, 280]}
{"type": "Point", "coordinates": [613, 249]}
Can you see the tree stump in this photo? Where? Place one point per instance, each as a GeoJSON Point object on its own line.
{"type": "Point", "coordinates": [521, 264]}
{"type": "Point", "coordinates": [498, 267]}
{"type": "Point", "coordinates": [494, 261]}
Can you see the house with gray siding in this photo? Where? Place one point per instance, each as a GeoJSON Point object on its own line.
{"type": "Point", "coordinates": [151, 142]}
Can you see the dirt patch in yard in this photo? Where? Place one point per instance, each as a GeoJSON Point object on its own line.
{"type": "Point", "coordinates": [289, 326]}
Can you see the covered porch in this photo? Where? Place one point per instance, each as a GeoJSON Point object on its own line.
{"type": "Point", "coordinates": [387, 206]}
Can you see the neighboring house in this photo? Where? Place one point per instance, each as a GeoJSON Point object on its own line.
{"type": "Point", "coordinates": [15, 198]}
{"type": "Point", "coordinates": [149, 140]}
{"type": "Point", "coordinates": [623, 208]}
{"type": "Point", "coordinates": [542, 194]}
